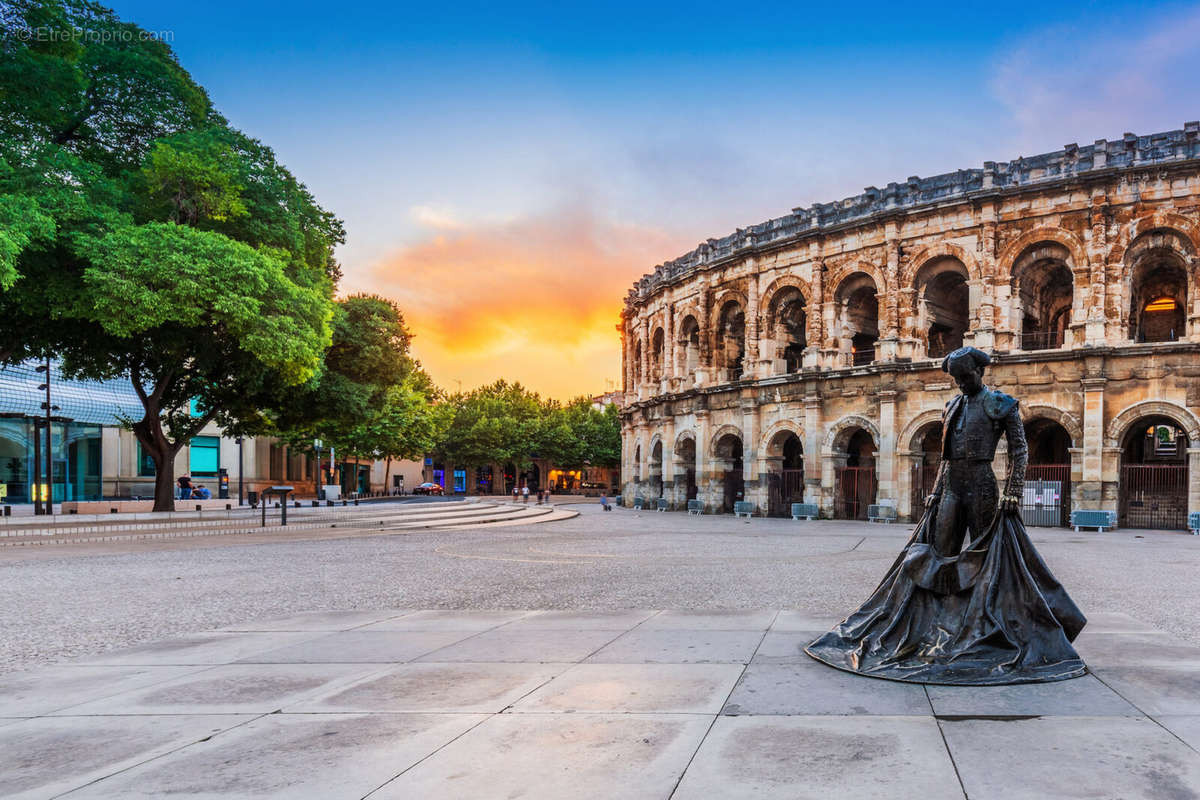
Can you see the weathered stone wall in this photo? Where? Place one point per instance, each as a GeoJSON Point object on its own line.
{"type": "Point", "coordinates": [1052, 262]}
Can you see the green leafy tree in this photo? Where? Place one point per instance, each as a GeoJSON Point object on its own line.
{"type": "Point", "coordinates": [141, 236]}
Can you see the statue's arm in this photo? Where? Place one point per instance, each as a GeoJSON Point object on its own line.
{"type": "Point", "coordinates": [939, 484]}
{"type": "Point", "coordinates": [1018, 459]}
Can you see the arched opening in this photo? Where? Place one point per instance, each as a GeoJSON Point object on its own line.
{"type": "Point", "coordinates": [687, 348]}
{"type": "Point", "coordinates": [1047, 498]}
{"type": "Point", "coordinates": [1158, 290]}
{"type": "Point", "coordinates": [685, 466]}
{"type": "Point", "coordinates": [787, 326]}
{"type": "Point", "coordinates": [944, 307]}
{"type": "Point", "coordinates": [858, 327]}
{"type": "Point", "coordinates": [727, 454]}
{"type": "Point", "coordinates": [785, 473]}
{"type": "Point", "coordinates": [1045, 290]}
{"type": "Point", "coordinates": [656, 470]}
{"type": "Point", "coordinates": [731, 340]}
{"type": "Point", "coordinates": [657, 349]}
{"type": "Point", "coordinates": [510, 477]}
{"type": "Point", "coordinates": [855, 482]}
{"type": "Point", "coordinates": [927, 442]}
{"type": "Point", "coordinates": [1153, 489]}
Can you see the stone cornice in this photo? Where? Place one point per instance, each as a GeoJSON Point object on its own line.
{"type": "Point", "coordinates": [1100, 160]}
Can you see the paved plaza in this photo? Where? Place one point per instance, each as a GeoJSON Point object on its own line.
{"type": "Point", "coordinates": [349, 663]}
{"type": "Point", "coordinates": [622, 704]}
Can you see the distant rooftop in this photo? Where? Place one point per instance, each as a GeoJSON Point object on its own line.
{"type": "Point", "coordinates": [1072, 160]}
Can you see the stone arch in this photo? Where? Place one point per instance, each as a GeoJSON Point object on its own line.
{"type": "Point", "coordinates": [1016, 248]}
{"type": "Point", "coordinates": [845, 271]}
{"type": "Point", "coordinates": [683, 435]}
{"type": "Point", "coordinates": [936, 251]}
{"type": "Point", "coordinates": [658, 353]}
{"type": "Point", "coordinates": [1042, 290]}
{"type": "Point", "coordinates": [768, 447]}
{"type": "Point", "coordinates": [907, 437]}
{"type": "Point", "coordinates": [722, 432]}
{"type": "Point", "coordinates": [1068, 421]}
{"type": "Point", "coordinates": [940, 305]}
{"type": "Point", "coordinates": [1121, 423]}
{"type": "Point", "coordinates": [720, 299]}
{"type": "Point", "coordinates": [857, 320]}
{"type": "Point", "coordinates": [785, 282]}
{"type": "Point", "coordinates": [1158, 264]}
{"type": "Point", "coordinates": [728, 331]}
{"type": "Point", "coordinates": [841, 431]}
{"type": "Point", "coordinates": [1157, 220]}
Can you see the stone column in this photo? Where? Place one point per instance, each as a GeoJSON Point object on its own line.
{"type": "Point", "coordinates": [750, 360]}
{"type": "Point", "coordinates": [703, 461]}
{"type": "Point", "coordinates": [754, 487]}
{"type": "Point", "coordinates": [888, 347]}
{"type": "Point", "coordinates": [1092, 478]}
{"type": "Point", "coordinates": [645, 365]}
{"type": "Point", "coordinates": [669, 347]}
{"type": "Point", "coordinates": [815, 320]}
{"type": "Point", "coordinates": [886, 459]}
{"type": "Point", "coordinates": [668, 461]}
{"type": "Point", "coordinates": [813, 463]}
{"type": "Point", "coordinates": [1193, 478]}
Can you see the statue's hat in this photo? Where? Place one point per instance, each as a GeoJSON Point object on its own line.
{"type": "Point", "coordinates": [972, 357]}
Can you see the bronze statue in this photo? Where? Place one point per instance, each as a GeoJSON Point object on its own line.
{"type": "Point", "coordinates": [981, 609]}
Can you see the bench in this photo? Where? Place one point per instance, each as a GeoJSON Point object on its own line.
{"type": "Point", "coordinates": [881, 513]}
{"type": "Point", "coordinates": [1194, 522]}
{"type": "Point", "coordinates": [638, 503]}
{"type": "Point", "coordinates": [806, 510]}
{"type": "Point", "coordinates": [743, 508]}
{"type": "Point", "coordinates": [695, 506]}
{"type": "Point", "coordinates": [1093, 518]}
{"type": "Point", "coordinates": [662, 504]}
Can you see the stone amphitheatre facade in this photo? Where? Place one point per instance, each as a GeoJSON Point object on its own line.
{"type": "Point", "coordinates": [799, 359]}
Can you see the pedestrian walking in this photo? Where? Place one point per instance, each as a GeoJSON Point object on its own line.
{"type": "Point", "coordinates": [516, 492]}
{"type": "Point", "coordinates": [604, 502]}
{"type": "Point", "coordinates": [541, 495]}
{"type": "Point", "coordinates": [525, 494]}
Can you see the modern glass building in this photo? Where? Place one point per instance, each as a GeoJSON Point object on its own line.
{"type": "Point", "coordinates": [80, 410]}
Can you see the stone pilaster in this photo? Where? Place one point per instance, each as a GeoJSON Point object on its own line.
{"type": "Point", "coordinates": [886, 460]}
{"type": "Point", "coordinates": [1092, 472]}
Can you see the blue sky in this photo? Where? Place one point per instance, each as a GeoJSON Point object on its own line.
{"type": "Point", "coordinates": [505, 172]}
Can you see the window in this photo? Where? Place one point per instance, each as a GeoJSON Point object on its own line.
{"type": "Point", "coordinates": [205, 455]}
{"type": "Point", "coordinates": [145, 464]}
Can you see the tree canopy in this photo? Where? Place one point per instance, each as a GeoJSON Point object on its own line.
{"type": "Point", "coordinates": [140, 235]}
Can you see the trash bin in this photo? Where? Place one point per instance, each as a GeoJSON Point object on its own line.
{"type": "Point", "coordinates": [252, 497]}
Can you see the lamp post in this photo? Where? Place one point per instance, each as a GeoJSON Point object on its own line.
{"type": "Point", "coordinates": [50, 409]}
{"type": "Point", "coordinates": [240, 494]}
{"type": "Point", "coordinates": [317, 446]}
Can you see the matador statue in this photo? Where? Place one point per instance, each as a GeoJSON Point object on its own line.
{"type": "Point", "coordinates": [969, 601]}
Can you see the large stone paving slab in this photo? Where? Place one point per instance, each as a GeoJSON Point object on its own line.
{"type": "Point", "coordinates": [527, 645]}
{"type": "Point", "coordinates": [636, 688]}
{"type": "Point", "coordinates": [865, 758]}
{"type": "Point", "coordinates": [680, 647]}
{"type": "Point", "coordinates": [361, 646]}
{"type": "Point", "coordinates": [1080, 697]}
{"type": "Point", "coordinates": [200, 648]}
{"type": "Point", "coordinates": [43, 757]}
{"type": "Point", "coordinates": [551, 756]}
{"type": "Point", "coordinates": [230, 689]}
{"type": "Point", "coordinates": [582, 620]}
{"type": "Point", "coordinates": [1156, 690]}
{"type": "Point", "coordinates": [292, 756]}
{"type": "Point", "coordinates": [1117, 758]}
{"type": "Point", "coordinates": [454, 688]}
{"type": "Point", "coordinates": [448, 620]}
{"type": "Point", "coordinates": [32, 694]}
{"type": "Point", "coordinates": [814, 689]}
{"type": "Point", "coordinates": [318, 621]}
{"type": "Point", "coordinates": [711, 620]}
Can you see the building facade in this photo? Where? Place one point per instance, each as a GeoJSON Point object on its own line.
{"type": "Point", "coordinates": [94, 456]}
{"type": "Point", "coordinates": [799, 359]}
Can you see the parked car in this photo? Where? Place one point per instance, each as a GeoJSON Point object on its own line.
{"type": "Point", "coordinates": [428, 488]}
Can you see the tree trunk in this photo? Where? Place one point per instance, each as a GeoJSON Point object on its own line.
{"type": "Point", "coordinates": [387, 470]}
{"type": "Point", "coordinates": [153, 440]}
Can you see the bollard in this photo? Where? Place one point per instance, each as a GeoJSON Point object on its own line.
{"type": "Point", "coordinates": [229, 506]}
{"type": "Point", "coordinates": [199, 507]}
{"type": "Point", "coordinates": [329, 503]}
{"type": "Point", "coordinates": [8, 511]}
{"type": "Point", "coordinates": [316, 503]}
{"type": "Point", "coordinates": [73, 511]}
{"type": "Point", "coordinates": [112, 511]}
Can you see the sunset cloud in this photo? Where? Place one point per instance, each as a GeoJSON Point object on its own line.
{"type": "Point", "coordinates": [535, 300]}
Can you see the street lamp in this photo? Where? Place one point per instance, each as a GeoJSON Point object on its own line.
{"type": "Point", "coordinates": [50, 409]}
{"type": "Point", "coordinates": [239, 444]}
{"type": "Point", "coordinates": [317, 446]}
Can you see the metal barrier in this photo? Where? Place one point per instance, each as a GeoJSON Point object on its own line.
{"type": "Point", "coordinates": [881, 513]}
{"type": "Point", "coordinates": [743, 508]}
{"type": "Point", "coordinates": [638, 503]}
{"type": "Point", "coordinates": [662, 504]}
{"type": "Point", "coordinates": [1092, 518]}
{"type": "Point", "coordinates": [695, 506]}
{"type": "Point", "coordinates": [1194, 522]}
{"type": "Point", "coordinates": [806, 510]}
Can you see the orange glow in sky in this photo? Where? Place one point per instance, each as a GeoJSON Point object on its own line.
{"type": "Point", "coordinates": [536, 300]}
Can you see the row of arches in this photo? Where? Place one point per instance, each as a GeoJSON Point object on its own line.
{"type": "Point", "coordinates": [937, 304]}
{"type": "Point", "coordinates": [1152, 476]}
